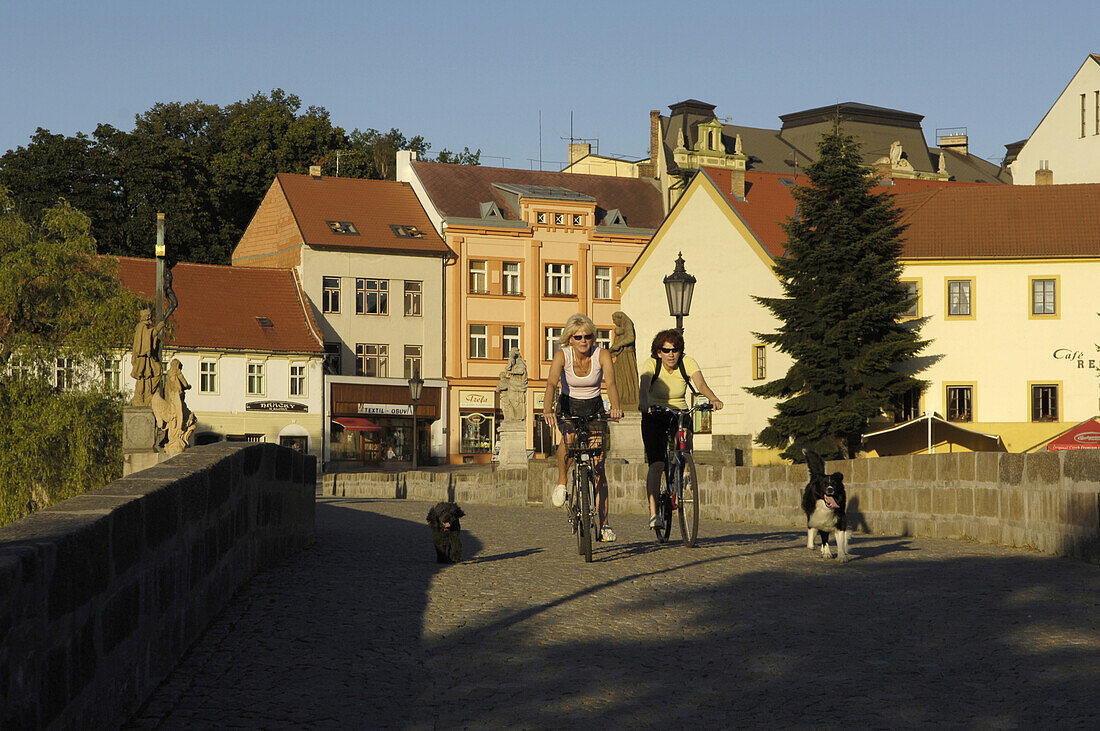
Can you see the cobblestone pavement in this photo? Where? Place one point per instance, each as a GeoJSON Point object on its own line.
{"type": "Point", "coordinates": [747, 630]}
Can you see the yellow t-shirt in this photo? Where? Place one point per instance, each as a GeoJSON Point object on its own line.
{"type": "Point", "coordinates": [669, 387]}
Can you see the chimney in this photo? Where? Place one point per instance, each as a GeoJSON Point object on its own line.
{"type": "Point", "coordinates": [737, 184]}
{"type": "Point", "coordinates": [315, 172]}
{"type": "Point", "coordinates": [1044, 175]}
{"type": "Point", "coordinates": [577, 150]}
{"type": "Point", "coordinates": [953, 139]}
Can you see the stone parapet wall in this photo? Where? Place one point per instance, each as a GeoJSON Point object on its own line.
{"type": "Point", "coordinates": [101, 595]}
{"type": "Point", "coordinates": [1048, 501]}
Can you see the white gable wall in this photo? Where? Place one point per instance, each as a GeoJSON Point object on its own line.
{"type": "Point", "coordinates": [1073, 157]}
{"type": "Point", "coordinates": [729, 267]}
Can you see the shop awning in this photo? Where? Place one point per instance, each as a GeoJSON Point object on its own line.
{"type": "Point", "coordinates": [1085, 435]}
{"type": "Point", "coordinates": [355, 423]}
{"type": "Point", "coordinates": [924, 433]}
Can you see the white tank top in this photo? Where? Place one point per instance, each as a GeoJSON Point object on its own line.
{"type": "Point", "coordinates": [575, 386]}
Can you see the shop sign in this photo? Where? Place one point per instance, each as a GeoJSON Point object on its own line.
{"type": "Point", "coordinates": [1077, 357]}
{"type": "Point", "coordinates": [386, 409]}
{"type": "Point", "coordinates": [281, 406]}
{"type": "Point", "coordinates": [476, 400]}
{"type": "Point", "coordinates": [540, 399]}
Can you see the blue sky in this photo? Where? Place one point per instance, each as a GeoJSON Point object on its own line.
{"type": "Point", "coordinates": [481, 74]}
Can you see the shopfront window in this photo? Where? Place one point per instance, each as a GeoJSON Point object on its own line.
{"type": "Point", "coordinates": [477, 433]}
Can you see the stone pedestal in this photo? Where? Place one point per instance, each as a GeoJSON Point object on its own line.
{"type": "Point", "coordinates": [139, 440]}
{"type": "Point", "coordinates": [513, 444]}
{"type": "Point", "coordinates": [626, 439]}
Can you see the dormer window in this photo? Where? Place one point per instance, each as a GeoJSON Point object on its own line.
{"type": "Point", "coordinates": [540, 217]}
{"type": "Point", "coordinates": [614, 218]}
{"type": "Point", "coordinates": [406, 232]}
{"type": "Point", "coordinates": [344, 228]}
{"type": "Point", "coordinates": [264, 321]}
{"type": "Point", "coordinates": [578, 219]}
{"type": "Point", "coordinates": [559, 219]}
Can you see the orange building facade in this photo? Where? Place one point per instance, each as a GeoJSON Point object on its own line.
{"type": "Point", "coordinates": [532, 248]}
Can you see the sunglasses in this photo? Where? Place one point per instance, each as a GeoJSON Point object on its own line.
{"type": "Point", "coordinates": [583, 337]}
{"type": "Point", "coordinates": [669, 350]}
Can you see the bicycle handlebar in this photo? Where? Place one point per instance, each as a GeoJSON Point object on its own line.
{"type": "Point", "coordinates": [658, 408]}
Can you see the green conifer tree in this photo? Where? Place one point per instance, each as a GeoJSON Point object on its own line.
{"type": "Point", "coordinates": [841, 313]}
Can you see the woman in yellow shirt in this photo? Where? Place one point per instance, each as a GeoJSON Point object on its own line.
{"type": "Point", "coordinates": [675, 372]}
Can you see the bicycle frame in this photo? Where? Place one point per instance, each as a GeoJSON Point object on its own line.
{"type": "Point", "coordinates": [587, 443]}
{"type": "Point", "coordinates": [680, 468]}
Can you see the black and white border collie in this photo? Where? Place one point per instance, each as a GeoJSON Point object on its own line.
{"type": "Point", "coordinates": [824, 502]}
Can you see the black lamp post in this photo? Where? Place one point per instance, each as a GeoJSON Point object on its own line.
{"type": "Point", "coordinates": [678, 288]}
{"type": "Point", "coordinates": [416, 388]}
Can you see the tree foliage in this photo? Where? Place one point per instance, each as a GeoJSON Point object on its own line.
{"type": "Point", "coordinates": [841, 310]}
{"type": "Point", "coordinates": [58, 299]}
{"type": "Point", "coordinates": [206, 167]}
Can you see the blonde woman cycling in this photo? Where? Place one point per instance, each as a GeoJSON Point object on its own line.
{"type": "Point", "coordinates": [580, 366]}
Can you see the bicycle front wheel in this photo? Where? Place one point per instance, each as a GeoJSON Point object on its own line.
{"type": "Point", "coordinates": [582, 500]}
{"type": "Point", "coordinates": [664, 511]}
{"type": "Point", "coordinates": [688, 505]}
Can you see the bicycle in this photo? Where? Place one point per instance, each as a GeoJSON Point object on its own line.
{"type": "Point", "coordinates": [680, 488]}
{"type": "Point", "coordinates": [588, 440]}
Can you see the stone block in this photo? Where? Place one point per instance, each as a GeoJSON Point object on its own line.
{"type": "Point", "coordinates": [1081, 509]}
{"type": "Point", "coordinates": [1012, 504]}
{"type": "Point", "coordinates": [967, 466]}
{"type": "Point", "coordinates": [1011, 469]}
{"type": "Point", "coordinates": [987, 466]}
{"type": "Point", "coordinates": [986, 502]}
{"type": "Point", "coordinates": [127, 535]}
{"type": "Point", "coordinates": [947, 468]}
{"type": "Point", "coordinates": [884, 469]}
{"type": "Point", "coordinates": [944, 501]}
{"type": "Point", "coordinates": [1043, 468]}
{"type": "Point", "coordinates": [922, 496]}
{"type": "Point", "coordinates": [861, 471]}
{"type": "Point", "coordinates": [120, 617]}
{"type": "Point", "coordinates": [1082, 466]}
{"type": "Point", "coordinates": [964, 500]}
{"type": "Point", "coordinates": [924, 468]}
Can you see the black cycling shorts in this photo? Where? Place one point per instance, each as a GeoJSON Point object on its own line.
{"type": "Point", "coordinates": [655, 429]}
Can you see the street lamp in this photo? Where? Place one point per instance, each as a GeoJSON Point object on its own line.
{"type": "Point", "coordinates": [416, 387]}
{"type": "Point", "coordinates": [678, 288]}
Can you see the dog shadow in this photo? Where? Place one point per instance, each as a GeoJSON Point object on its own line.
{"type": "Point", "coordinates": [857, 521]}
{"type": "Point", "coordinates": [871, 551]}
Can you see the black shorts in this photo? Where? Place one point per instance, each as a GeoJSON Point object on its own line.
{"type": "Point", "coordinates": [580, 407]}
{"type": "Point", "coordinates": [655, 429]}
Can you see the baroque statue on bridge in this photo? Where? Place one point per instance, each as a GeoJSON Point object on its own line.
{"type": "Point", "coordinates": [512, 388]}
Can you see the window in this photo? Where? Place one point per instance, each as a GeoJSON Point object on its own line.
{"type": "Point", "coordinates": [330, 297]}
{"type": "Point", "coordinates": [578, 219]}
{"type": "Point", "coordinates": [413, 290]}
{"type": "Point", "coordinates": [372, 359]}
{"type": "Point", "coordinates": [17, 367]}
{"type": "Point", "coordinates": [208, 376]}
{"type": "Point", "coordinates": [478, 277]}
{"type": "Point", "coordinates": [332, 358]}
{"type": "Point", "coordinates": [759, 362]}
{"type": "Point", "coordinates": [553, 334]}
{"type": "Point", "coordinates": [559, 279]}
{"type": "Point", "coordinates": [1044, 402]}
{"type": "Point", "coordinates": [413, 355]}
{"type": "Point", "coordinates": [344, 228]}
{"type": "Point", "coordinates": [603, 337]}
{"type": "Point", "coordinates": [959, 297]}
{"type": "Point", "coordinates": [255, 378]}
{"type": "Point", "coordinates": [406, 232]}
{"type": "Point", "coordinates": [960, 403]}
{"type": "Point", "coordinates": [372, 296]}
{"type": "Point", "coordinates": [64, 373]}
{"type": "Point", "coordinates": [913, 290]}
{"type": "Point", "coordinates": [1044, 297]}
{"type": "Point", "coordinates": [297, 380]}
{"type": "Point", "coordinates": [907, 406]}
{"type": "Point", "coordinates": [112, 374]}
{"type": "Point", "coordinates": [479, 341]}
{"type": "Point", "coordinates": [602, 290]}
{"type": "Point", "coordinates": [540, 217]}
{"type": "Point", "coordinates": [477, 433]}
{"type": "Point", "coordinates": [509, 339]}
{"type": "Point", "coordinates": [1082, 115]}
{"type": "Point", "coordinates": [511, 278]}
{"type": "Point", "coordinates": [559, 218]}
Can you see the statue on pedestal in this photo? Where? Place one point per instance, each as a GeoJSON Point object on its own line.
{"type": "Point", "coordinates": [145, 366]}
{"type": "Point", "coordinates": [172, 413]}
{"type": "Point", "coordinates": [626, 361]}
{"type": "Point", "coordinates": [512, 388]}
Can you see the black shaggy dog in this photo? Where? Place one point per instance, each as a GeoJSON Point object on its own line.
{"type": "Point", "coordinates": [824, 502]}
{"type": "Point", "coordinates": [446, 532]}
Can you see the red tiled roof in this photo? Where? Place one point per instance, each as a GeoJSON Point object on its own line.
{"type": "Point", "coordinates": [218, 306]}
{"type": "Point", "coordinates": [1030, 221]}
{"type": "Point", "coordinates": [946, 219]}
{"type": "Point", "coordinates": [373, 206]}
{"type": "Point", "coordinates": [458, 190]}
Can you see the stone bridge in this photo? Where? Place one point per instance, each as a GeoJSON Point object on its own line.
{"type": "Point", "coordinates": [749, 629]}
